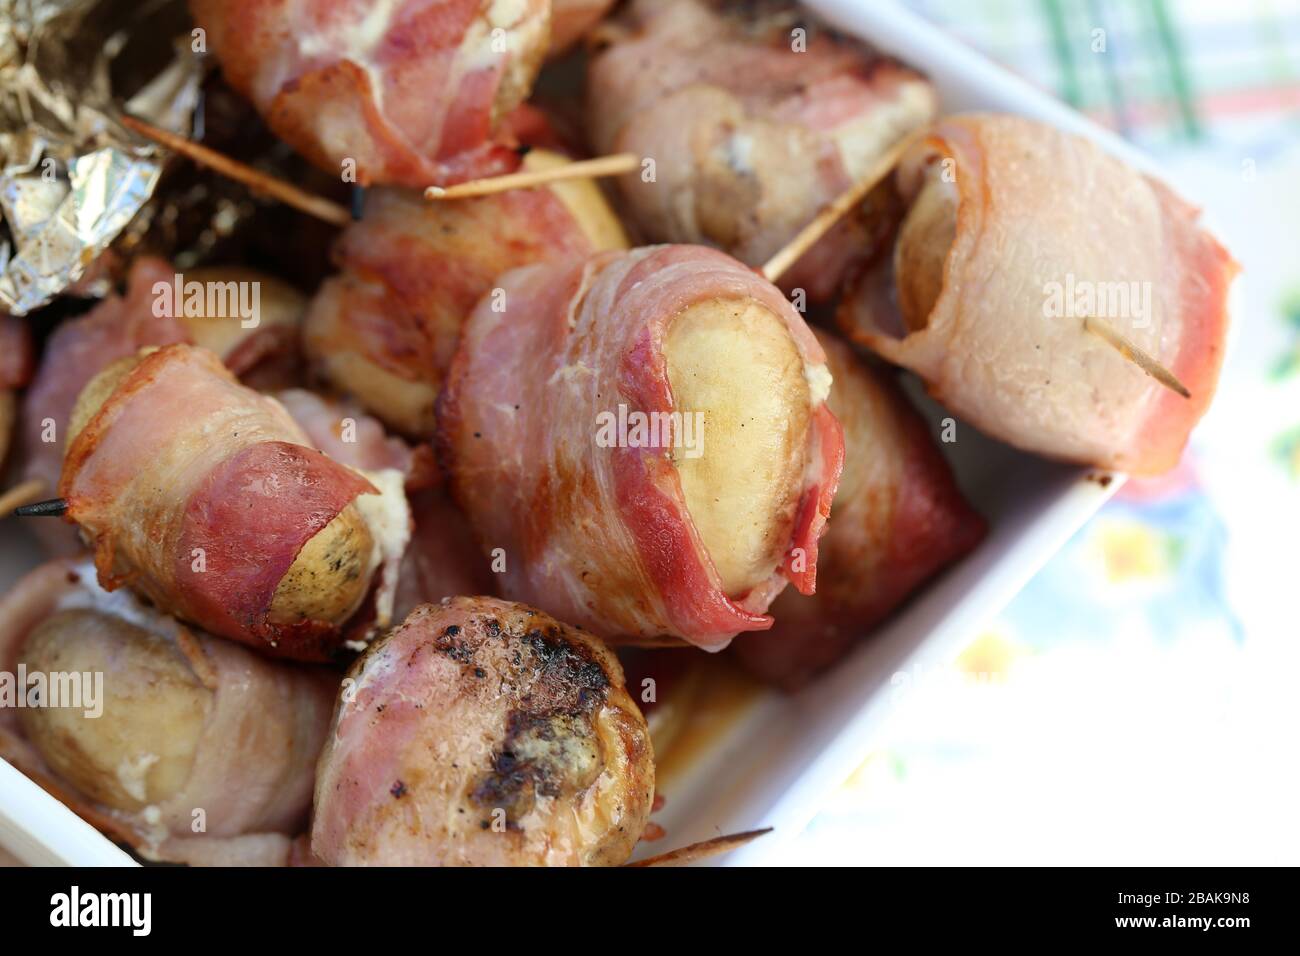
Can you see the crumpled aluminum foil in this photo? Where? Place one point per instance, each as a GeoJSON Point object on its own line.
{"type": "Point", "coordinates": [71, 177]}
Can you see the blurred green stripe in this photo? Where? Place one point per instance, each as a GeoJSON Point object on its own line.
{"type": "Point", "coordinates": [1170, 43]}
{"type": "Point", "coordinates": [1109, 73]}
{"type": "Point", "coordinates": [1272, 37]}
{"type": "Point", "coordinates": [1070, 89]}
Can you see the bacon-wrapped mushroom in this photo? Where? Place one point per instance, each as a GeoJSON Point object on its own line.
{"type": "Point", "coordinates": [1017, 233]}
{"type": "Point", "coordinates": [149, 316]}
{"type": "Point", "coordinates": [898, 519]}
{"type": "Point", "coordinates": [481, 732]}
{"type": "Point", "coordinates": [753, 128]}
{"type": "Point", "coordinates": [410, 91]}
{"type": "Point", "coordinates": [385, 329]}
{"type": "Point", "coordinates": [645, 437]}
{"type": "Point", "coordinates": [188, 748]}
{"type": "Point", "coordinates": [204, 496]}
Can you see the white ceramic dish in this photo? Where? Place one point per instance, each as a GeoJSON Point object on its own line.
{"type": "Point", "coordinates": [777, 758]}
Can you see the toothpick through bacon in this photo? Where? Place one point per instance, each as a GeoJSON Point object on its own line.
{"type": "Point", "coordinates": [254, 179]}
{"type": "Point", "coordinates": [807, 237]}
{"type": "Point", "coordinates": [1135, 355]}
{"type": "Point", "coordinates": [614, 165]}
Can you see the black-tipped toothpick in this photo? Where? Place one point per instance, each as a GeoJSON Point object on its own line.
{"type": "Point", "coordinates": [41, 509]}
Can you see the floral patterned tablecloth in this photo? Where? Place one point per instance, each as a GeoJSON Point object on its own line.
{"type": "Point", "coordinates": [1138, 702]}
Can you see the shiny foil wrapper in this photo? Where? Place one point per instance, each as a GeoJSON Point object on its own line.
{"type": "Point", "coordinates": [71, 177]}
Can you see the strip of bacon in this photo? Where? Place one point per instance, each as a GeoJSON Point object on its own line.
{"type": "Point", "coordinates": [249, 518]}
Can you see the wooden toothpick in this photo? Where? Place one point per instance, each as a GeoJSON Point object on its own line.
{"type": "Point", "coordinates": [1136, 355]}
{"type": "Point", "coordinates": [614, 165]}
{"type": "Point", "coordinates": [254, 179]}
{"type": "Point", "coordinates": [702, 850]}
{"type": "Point", "coordinates": [822, 223]}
